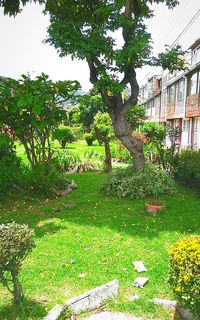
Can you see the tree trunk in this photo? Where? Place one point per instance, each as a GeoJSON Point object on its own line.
{"type": "Point", "coordinates": [108, 160]}
{"type": "Point", "coordinates": [124, 133]}
{"type": "Point", "coordinates": [18, 293]}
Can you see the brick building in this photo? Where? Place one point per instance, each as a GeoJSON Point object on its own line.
{"type": "Point", "coordinates": [174, 99]}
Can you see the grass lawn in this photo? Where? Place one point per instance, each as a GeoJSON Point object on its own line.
{"type": "Point", "coordinates": [103, 235]}
{"type": "Point", "coordinates": [79, 147]}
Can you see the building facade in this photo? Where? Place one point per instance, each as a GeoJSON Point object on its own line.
{"type": "Point", "coordinates": [174, 99]}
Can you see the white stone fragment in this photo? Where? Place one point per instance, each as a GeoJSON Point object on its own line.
{"type": "Point", "coordinates": [139, 266]}
{"type": "Point", "coordinates": [112, 316]}
{"type": "Point", "coordinates": [165, 303]}
{"type": "Point", "coordinates": [140, 282]}
{"type": "Point", "coordinates": [55, 312]}
{"type": "Point", "coordinates": [94, 298]}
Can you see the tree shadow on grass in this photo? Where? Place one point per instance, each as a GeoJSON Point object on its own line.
{"type": "Point", "coordinates": [27, 310]}
{"type": "Point", "coordinates": [95, 209]}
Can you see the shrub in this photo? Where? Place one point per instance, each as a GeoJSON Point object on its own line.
{"type": "Point", "coordinates": [185, 272]}
{"type": "Point", "coordinates": [77, 132]}
{"type": "Point", "coordinates": [188, 169]}
{"type": "Point", "coordinates": [39, 182]}
{"type": "Point", "coordinates": [69, 161]}
{"type": "Point", "coordinates": [9, 164]}
{"type": "Point", "coordinates": [120, 153]}
{"type": "Point", "coordinates": [65, 160]}
{"type": "Point", "coordinates": [63, 135]}
{"type": "Point", "coordinates": [16, 241]}
{"type": "Point", "coordinates": [150, 181]}
{"type": "Point", "coordinates": [89, 138]}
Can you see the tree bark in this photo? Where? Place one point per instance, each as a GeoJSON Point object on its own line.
{"type": "Point", "coordinates": [18, 293]}
{"type": "Point", "coordinates": [108, 160]}
{"type": "Point", "coordinates": [124, 133]}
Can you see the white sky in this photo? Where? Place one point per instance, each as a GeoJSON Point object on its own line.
{"type": "Point", "coordinates": [22, 49]}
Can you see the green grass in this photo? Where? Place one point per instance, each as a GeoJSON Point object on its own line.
{"type": "Point", "coordinates": [103, 235]}
{"type": "Point", "coordinates": [79, 147]}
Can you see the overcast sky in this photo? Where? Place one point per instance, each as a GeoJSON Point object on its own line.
{"type": "Point", "coordinates": [22, 49]}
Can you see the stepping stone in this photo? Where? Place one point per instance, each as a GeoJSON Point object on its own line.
{"type": "Point", "coordinates": [140, 282]}
{"type": "Point", "coordinates": [112, 316]}
{"type": "Point", "coordinates": [139, 266]}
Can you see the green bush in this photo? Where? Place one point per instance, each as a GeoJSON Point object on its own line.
{"type": "Point", "coordinates": [89, 138]}
{"type": "Point", "coordinates": [16, 241]}
{"type": "Point", "coordinates": [120, 153]}
{"type": "Point", "coordinates": [71, 162]}
{"type": "Point", "coordinates": [185, 272]}
{"type": "Point", "coordinates": [65, 160]}
{"type": "Point", "coordinates": [63, 135]}
{"type": "Point", "coordinates": [188, 169]}
{"type": "Point", "coordinates": [137, 184]}
{"type": "Point", "coordinates": [39, 182]}
{"type": "Point", "coordinates": [77, 132]}
{"type": "Point", "coordinates": [9, 164]}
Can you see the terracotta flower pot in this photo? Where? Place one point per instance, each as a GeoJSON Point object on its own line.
{"type": "Point", "coordinates": [153, 207]}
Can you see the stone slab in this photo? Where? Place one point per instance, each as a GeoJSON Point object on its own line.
{"type": "Point", "coordinates": [165, 303]}
{"type": "Point", "coordinates": [139, 266]}
{"type": "Point", "coordinates": [55, 312]}
{"type": "Point", "coordinates": [112, 316]}
{"type": "Point", "coordinates": [93, 298]}
{"type": "Point", "coordinates": [140, 282]}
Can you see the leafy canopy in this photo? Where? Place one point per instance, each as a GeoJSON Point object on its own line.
{"type": "Point", "coordinates": [33, 109]}
{"type": "Point", "coordinates": [86, 30]}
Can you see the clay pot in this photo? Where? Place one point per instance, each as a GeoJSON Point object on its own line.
{"type": "Point", "coordinates": [153, 207]}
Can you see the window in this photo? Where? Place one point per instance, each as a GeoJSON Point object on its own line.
{"type": "Point", "coordinates": [193, 84]}
{"type": "Point", "coordinates": [180, 90]}
{"type": "Point", "coordinates": [171, 94]}
{"type": "Point", "coordinates": [196, 55]}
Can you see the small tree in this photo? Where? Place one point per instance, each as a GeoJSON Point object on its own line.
{"type": "Point", "coordinates": [33, 108]}
{"type": "Point", "coordinates": [104, 130]}
{"type": "Point", "coordinates": [16, 241]}
{"type": "Point", "coordinates": [63, 135]}
{"type": "Point", "coordinates": [89, 105]}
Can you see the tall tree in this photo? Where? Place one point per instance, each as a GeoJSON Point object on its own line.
{"type": "Point", "coordinates": [86, 29]}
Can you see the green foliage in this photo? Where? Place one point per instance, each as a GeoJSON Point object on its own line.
{"type": "Point", "coordinates": [16, 241]}
{"type": "Point", "coordinates": [172, 59]}
{"type": "Point", "coordinates": [63, 135]}
{"type": "Point", "coordinates": [77, 132]}
{"type": "Point", "coordinates": [9, 164]}
{"type": "Point", "coordinates": [154, 146]}
{"type": "Point", "coordinates": [89, 138]}
{"type": "Point", "coordinates": [154, 133]}
{"type": "Point", "coordinates": [188, 169]}
{"type": "Point", "coordinates": [6, 145]}
{"type": "Point", "coordinates": [120, 153]}
{"type": "Point", "coordinates": [89, 106]}
{"type": "Point", "coordinates": [185, 272]}
{"type": "Point", "coordinates": [12, 7]}
{"type": "Point", "coordinates": [33, 109]}
{"type": "Point", "coordinates": [103, 126]}
{"type": "Point", "coordinates": [65, 160]}
{"type": "Point", "coordinates": [73, 116]}
{"type": "Point", "coordinates": [136, 116]}
{"type": "Point", "coordinates": [38, 181]}
{"type": "Point", "coordinates": [150, 181]}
